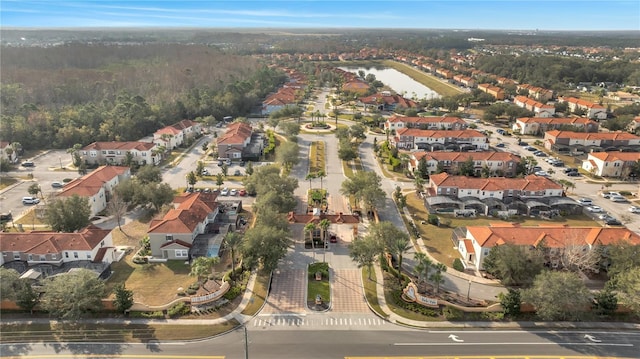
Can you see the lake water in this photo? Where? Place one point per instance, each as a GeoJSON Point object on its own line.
{"type": "Point", "coordinates": [397, 81]}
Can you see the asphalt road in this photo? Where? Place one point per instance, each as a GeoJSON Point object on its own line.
{"type": "Point", "coordinates": [349, 342]}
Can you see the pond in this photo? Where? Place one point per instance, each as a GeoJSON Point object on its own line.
{"type": "Point", "coordinates": [399, 82]}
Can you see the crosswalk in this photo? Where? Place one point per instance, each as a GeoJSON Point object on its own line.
{"type": "Point", "coordinates": [317, 321]}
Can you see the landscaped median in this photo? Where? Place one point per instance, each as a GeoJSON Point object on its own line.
{"type": "Point", "coordinates": [318, 288]}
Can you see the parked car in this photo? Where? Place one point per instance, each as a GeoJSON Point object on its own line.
{"type": "Point", "coordinates": [233, 192]}
{"type": "Point", "coordinates": [205, 172]}
{"type": "Point", "coordinates": [57, 184]}
{"type": "Point", "coordinates": [30, 200]}
{"type": "Point", "coordinates": [500, 145]}
{"type": "Point", "coordinates": [540, 154]}
{"type": "Point", "coordinates": [237, 173]}
{"type": "Point", "coordinates": [557, 164]}
{"type": "Point", "coordinates": [594, 209]}
{"type": "Point", "coordinates": [570, 169]}
{"type": "Point", "coordinates": [585, 201]}
{"type": "Point", "coordinates": [28, 164]}
{"type": "Point", "coordinates": [333, 238]}
{"type": "Point", "coordinates": [634, 209]}
{"type": "Point", "coordinates": [522, 143]}
{"type": "Point", "coordinates": [617, 198]}
{"type": "Point", "coordinates": [531, 149]}
{"type": "Point", "coordinates": [242, 192]}
{"type": "Point", "coordinates": [612, 222]}
{"type": "Point", "coordinates": [224, 192]}
{"type": "Point", "coordinates": [574, 174]}
{"type": "Point", "coordinates": [541, 173]}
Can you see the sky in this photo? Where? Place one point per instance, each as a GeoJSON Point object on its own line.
{"type": "Point", "coordinates": [409, 14]}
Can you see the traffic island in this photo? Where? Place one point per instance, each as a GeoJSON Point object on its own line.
{"type": "Point", "coordinates": [318, 288]}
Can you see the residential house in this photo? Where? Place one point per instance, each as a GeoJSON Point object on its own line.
{"type": "Point", "coordinates": [529, 187]}
{"type": "Point", "coordinates": [177, 134]}
{"type": "Point", "coordinates": [234, 141]}
{"type": "Point", "coordinates": [586, 141]}
{"type": "Point", "coordinates": [465, 81]}
{"type": "Point", "coordinates": [497, 163]}
{"type": "Point", "coordinates": [634, 125]}
{"type": "Point", "coordinates": [396, 122]}
{"type": "Point", "coordinates": [444, 73]}
{"type": "Point", "coordinates": [540, 109]}
{"type": "Point", "coordinates": [494, 91]}
{"type": "Point", "coordinates": [537, 93]}
{"type": "Point", "coordinates": [385, 101]}
{"type": "Point", "coordinates": [591, 110]}
{"type": "Point", "coordinates": [611, 164]}
{"type": "Point", "coordinates": [97, 186]}
{"type": "Point", "coordinates": [284, 97]}
{"type": "Point", "coordinates": [356, 86]}
{"type": "Point", "coordinates": [172, 236]}
{"type": "Point", "coordinates": [624, 97]}
{"type": "Point", "coordinates": [115, 153]}
{"type": "Point", "coordinates": [54, 248]}
{"type": "Point", "coordinates": [538, 125]}
{"type": "Point", "coordinates": [476, 242]}
{"type": "Point", "coordinates": [438, 140]}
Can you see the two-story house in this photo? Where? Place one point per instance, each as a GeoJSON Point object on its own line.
{"type": "Point", "coordinates": [46, 247]}
{"type": "Point", "coordinates": [540, 109]}
{"type": "Point", "coordinates": [477, 241]}
{"type": "Point", "coordinates": [569, 140]}
{"type": "Point", "coordinates": [233, 142]}
{"type": "Point", "coordinates": [591, 110]}
{"type": "Point", "coordinates": [172, 236]}
{"type": "Point", "coordinates": [284, 97]}
{"type": "Point", "coordinates": [535, 92]}
{"type": "Point", "coordinates": [611, 164]}
{"type": "Point", "coordinates": [494, 91]}
{"type": "Point", "coordinates": [115, 153]}
{"type": "Point", "coordinates": [97, 186]}
{"type": "Point", "coordinates": [386, 101]}
{"type": "Point", "coordinates": [176, 135]}
{"type": "Point", "coordinates": [395, 122]}
{"type": "Point", "coordinates": [437, 140]}
{"type": "Point", "coordinates": [539, 125]}
{"type": "Point", "coordinates": [498, 163]}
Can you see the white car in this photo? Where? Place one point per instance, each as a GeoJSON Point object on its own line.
{"type": "Point", "coordinates": [634, 209]}
{"type": "Point", "coordinates": [585, 201]}
{"type": "Point", "coordinates": [224, 192]}
{"type": "Point", "coordinates": [617, 198]}
{"type": "Point", "coordinates": [233, 192]}
{"type": "Point", "coordinates": [541, 173]}
{"type": "Point", "coordinates": [30, 200]}
{"type": "Point", "coordinates": [594, 209]}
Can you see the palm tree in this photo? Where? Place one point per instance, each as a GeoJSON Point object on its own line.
{"type": "Point", "coordinates": [309, 177]}
{"type": "Point", "coordinates": [324, 226]}
{"type": "Point", "coordinates": [232, 241]}
{"type": "Point", "coordinates": [320, 174]}
{"type": "Point", "coordinates": [310, 228]}
{"type": "Point", "coordinates": [399, 246]}
{"type": "Point", "coordinates": [422, 267]}
{"type": "Point", "coordinates": [202, 267]}
{"type": "Point", "coordinates": [437, 276]}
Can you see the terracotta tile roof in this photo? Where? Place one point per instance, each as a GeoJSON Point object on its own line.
{"type": "Point", "coordinates": [91, 183]}
{"type": "Point", "coordinates": [125, 146]}
{"type": "Point", "coordinates": [426, 120]}
{"type": "Point", "coordinates": [192, 209]}
{"type": "Point", "coordinates": [557, 120]}
{"type": "Point", "coordinates": [178, 242]}
{"type": "Point", "coordinates": [616, 156]}
{"type": "Point", "coordinates": [529, 183]}
{"type": "Point", "coordinates": [468, 245]}
{"type": "Point", "coordinates": [531, 102]}
{"type": "Point", "coordinates": [583, 103]}
{"type": "Point", "coordinates": [237, 133]}
{"type": "Point", "coordinates": [612, 136]}
{"type": "Point", "coordinates": [550, 236]}
{"type": "Point", "coordinates": [464, 156]}
{"type": "Point", "coordinates": [389, 99]}
{"type": "Point", "coordinates": [48, 242]}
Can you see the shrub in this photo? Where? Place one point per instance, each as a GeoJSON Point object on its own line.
{"type": "Point", "coordinates": [413, 307]}
{"type": "Point", "coordinates": [140, 260]}
{"type": "Point", "coordinates": [625, 193]}
{"type": "Point", "coordinates": [191, 291]}
{"type": "Point", "coordinates": [233, 293]}
{"type": "Point", "coordinates": [451, 313]}
{"type": "Point", "coordinates": [177, 309]}
{"type": "Point", "coordinates": [433, 219]}
{"type": "Point", "coordinates": [457, 265]}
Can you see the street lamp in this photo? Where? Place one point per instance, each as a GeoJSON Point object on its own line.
{"type": "Point", "coordinates": [60, 159]}
{"type": "Point", "coordinates": [469, 290]}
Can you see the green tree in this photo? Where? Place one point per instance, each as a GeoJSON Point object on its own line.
{"type": "Point", "coordinates": [357, 131]}
{"type": "Point", "coordinates": [324, 225]}
{"type": "Point", "coordinates": [437, 277]}
{"type": "Point", "coordinates": [288, 154]}
{"type": "Point", "coordinates": [68, 214]}
{"type": "Point", "coordinates": [219, 180]}
{"type": "Point", "coordinates": [34, 189]}
{"type": "Point", "coordinates": [513, 264]}
{"type": "Point", "coordinates": [309, 177]}
{"type": "Point", "coordinates": [467, 168]}
{"type": "Point", "coordinates": [510, 302]}
{"type": "Point", "coordinates": [117, 207]}
{"type": "Point", "coordinates": [605, 302]}
{"type": "Point", "coordinates": [249, 169]}
{"type": "Point", "coordinates": [225, 170]}
{"type": "Point", "coordinates": [558, 296]}
{"type": "Point", "coordinates": [346, 151]}
{"type": "Point", "coordinates": [290, 129]}
{"type": "Point", "coordinates": [149, 174]}
{"type": "Point", "coordinates": [9, 279]}
{"type": "Point", "coordinates": [192, 179]}
{"type": "Point", "coordinates": [422, 267]}
{"type": "Point", "coordinates": [199, 168]}
{"type": "Point", "coordinates": [26, 297]}
{"type": "Point", "coordinates": [123, 298]}
{"type": "Point", "coordinates": [365, 187]}
{"type": "Point", "coordinates": [202, 267]}
{"type": "Point", "coordinates": [624, 257]}
{"type": "Point", "coordinates": [627, 285]}
{"type": "Point", "coordinates": [232, 241]}
{"type": "Point", "coordinates": [264, 246]}
{"type": "Point", "coordinates": [309, 228]}
{"type": "Point", "coordinates": [364, 252]}
{"type": "Point", "coordinates": [321, 174]}
{"type": "Point", "coordinates": [159, 194]}
{"type": "Point", "coordinates": [400, 198]}
{"type": "Point", "coordinates": [72, 295]}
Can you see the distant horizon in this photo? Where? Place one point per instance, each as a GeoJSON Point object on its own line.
{"type": "Point", "coordinates": [461, 15]}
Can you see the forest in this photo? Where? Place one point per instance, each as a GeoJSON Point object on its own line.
{"type": "Point", "coordinates": [80, 93]}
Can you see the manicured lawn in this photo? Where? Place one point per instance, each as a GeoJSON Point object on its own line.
{"type": "Point", "coordinates": [7, 181]}
{"type": "Point", "coordinates": [30, 218]}
{"type": "Point", "coordinates": [430, 81]}
{"type": "Point", "coordinates": [260, 291]}
{"type": "Point", "coordinates": [370, 290]}
{"type": "Point", "coordinates": [438, 239]}
{"type": "Point", "coordinates": [315, 287]}
{"type": "Point", "coordinates": [317, 157]}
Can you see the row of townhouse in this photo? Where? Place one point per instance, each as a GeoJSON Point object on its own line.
{"type": "Point", "coordinates": [288, 95]}
{"type": "Point", "coordinates": [115, 153]}
{"type": "Point", "coordinates": [500, 188]}
{"type": "Point", "coordinates": [584, 141]}
{"type": "Point", "coordinates": [97, 186]}
{"type": "Point", "coordinates": [386, 101]}
{"type": "Point", "coordinates": [466, 81]}
{"type": "Point", "coordinates": [611, 164]}
{"type": "Point", "coordinates": [591, 109]}
{"type": "Point", "coordinates": [536, 126]}
{"type": "Point", "coordinates": [434, 140]}
{"type": "Point", "coordinates": [535, 92]}
{"type": "Point", "coordinates": [492, 90]}
{"type": "Point", "coordinates": [396, 122]}
{"type": "Point", "coordinates": [55, 248]}
{"type": "Point", "coordinates": [498, 163]}
{"type": "Point", "coordinates": [476, 242]}
{"type": "Point", "coordinates": [540, 109]}
{"type": "Point", "coordinates": [176, 135]}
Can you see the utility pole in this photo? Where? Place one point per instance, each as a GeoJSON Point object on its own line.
{"type": "Point", "coordinates": [246, 342]}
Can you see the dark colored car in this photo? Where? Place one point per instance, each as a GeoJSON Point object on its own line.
{"type": "Point", "coordinates": [28, 164]}
{"type": "Point", "coordinates": [574, 174]}
{"type": "Point", "coordinates": [612, 222]}
{"type": "Point", "coordinates": [333, 238]}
